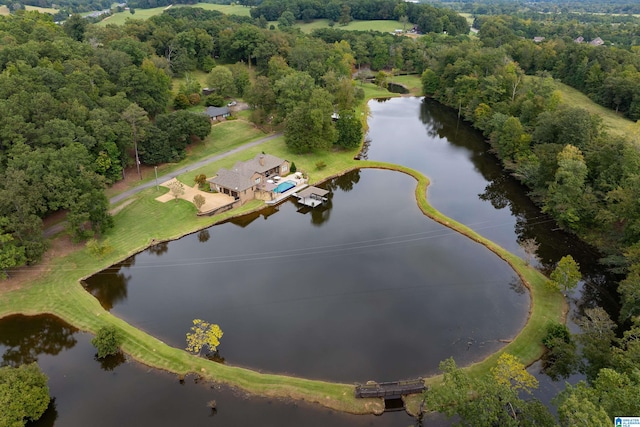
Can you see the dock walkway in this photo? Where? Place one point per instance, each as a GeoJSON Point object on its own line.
{"type": "Point", "coordinates": [390, 390]}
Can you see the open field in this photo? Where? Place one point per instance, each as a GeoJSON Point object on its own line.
{"type": "Point", "coordinates": [48, 10]}
{"type": "Point", "coordinates": [198, 75]}
{"type": "Point", "coordinates": [468, 17]}
{"type": "Point", "coordinates": [616, 123]}
{"type": "Point", "coordinates": [379, 25]}
{"type": "Point", "coordinates": [4, 10]}
{"type": "Point", "coordinates": [227, 9]}
{"type": "Point", "coordinates": [412, 82]}
{"type": "Point", "coordinates": [120, 17]}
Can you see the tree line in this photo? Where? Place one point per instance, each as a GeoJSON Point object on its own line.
{"type": "Point", "coordinates": [427, 18]}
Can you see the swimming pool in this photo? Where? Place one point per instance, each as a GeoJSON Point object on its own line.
{"type": "Point", "coordinates": [284, 186]}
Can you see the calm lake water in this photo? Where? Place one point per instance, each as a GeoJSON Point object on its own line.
{"type": "Point", "coordinates": [367, 288]}
{"type": "Point", "coordinates": [127, 394]}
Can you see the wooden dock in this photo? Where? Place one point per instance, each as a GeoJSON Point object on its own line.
{"type": "Point", "coordinates": [390, 390]}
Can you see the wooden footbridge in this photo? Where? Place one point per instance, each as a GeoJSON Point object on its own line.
{"type": "Point", "coordinates": [390, 390]}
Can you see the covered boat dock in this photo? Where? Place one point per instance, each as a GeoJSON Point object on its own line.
{"type": "Point", "coordinates": [312, 196]}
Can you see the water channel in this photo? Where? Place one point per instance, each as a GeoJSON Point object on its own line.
{"type": "Point", "coordinates": [402, 291]}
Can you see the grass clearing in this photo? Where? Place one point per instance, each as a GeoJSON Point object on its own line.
{"type": "Point", "coordinates": [468, 16]}
{"type": "Point", "coordinates": [198, 75]}
{"type": "Point", "coordinates": [412, 82]}
{"type": "Point", "coordinates": [120, 18]}
{"type": "Point", "coordinates": [49, 10]}
{"type": "Point", "coordinates": [227, 9]}
{"type": "Point", "coordinates": [385, 26]}
{"type": "Point", "coordinates": [616, 123]}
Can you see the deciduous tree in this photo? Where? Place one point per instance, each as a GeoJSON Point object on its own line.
{"type": "Point", "coordinates": [107, 341]}
{"type": "Point", "coordinates": [199, 201]}
{"type": "Point", "coordinates": [220, 79]}
{"type": "Point", "coordinates": [24, 394]}
{"type": "Point", "coordinates": [566, 275]}
{"type": "Point", "coordinates": [203, 335]}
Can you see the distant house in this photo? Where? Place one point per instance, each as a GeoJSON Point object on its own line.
{"type": "Point", "coordinates": [217, 113]}
{"type": "Point", "coordinates": [246, 179]}
{"type": "Point", "coordinates": [538, 39]}
{"type": "Point", "coordinates": [596, 42]}
{"type": "Point", "coordinates": [579, 40]}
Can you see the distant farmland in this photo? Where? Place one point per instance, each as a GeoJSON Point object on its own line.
{"type": "Point", "coordinates": [48, 10]}
{"type": "Point", "coordinates": [120, 17]}
{"type": "Point", "coordinates": [383, 26]}
{"type": "Point", "coordinates": [4, 10]}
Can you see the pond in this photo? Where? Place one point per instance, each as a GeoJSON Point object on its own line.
{"type": "Point", "coordinates": [469, 185]}
{"type": "Point", "coordinates": [364, 288]}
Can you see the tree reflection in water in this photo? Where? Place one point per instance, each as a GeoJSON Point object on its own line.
{"type": "Point", "coordinates": [24, 338]}
{"type": "Point", "coordinates": [204, 236]}
{"type": "Point", "coordinates": [110, 289]}
{"type": "Point", "coordinates": [109, 363]}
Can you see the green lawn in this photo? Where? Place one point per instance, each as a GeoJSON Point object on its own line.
{"type": "Point", "coordinates": [120, 17]}
{"type": "Point", "coordinates": [224, 137]}
{"type": "Point", "coordinates": [412, 82]}
{"type": "Point", "coordinates": [378, 25]}
{"type": "Point", "coordinates": [468, 17]}
{"type": "Point", "coordinates": [49, 10]}
{"type": "Point", "coordinates": [616, 123]}
{"type": "Point", "coordinates": [199, 75]}
{"type": "Point", "coordinates": [227, 9]}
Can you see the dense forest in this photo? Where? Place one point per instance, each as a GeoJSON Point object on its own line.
{"type": "Point", "coordinates": [79, 102]}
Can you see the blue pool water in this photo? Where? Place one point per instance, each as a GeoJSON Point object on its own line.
{"type": "Point", "coordinates": [284, 186]}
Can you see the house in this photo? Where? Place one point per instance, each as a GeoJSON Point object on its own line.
{"type": "Point", "coordinates": [246, 180]}
{"type": "Point", "coordinates": [217, 113]}
{"type": "Point", "coordinates": [596, 42]}
{"type": "Point", "coordinates": [579, 40]}
{"type": "Point", "coordinates": [538, 39]}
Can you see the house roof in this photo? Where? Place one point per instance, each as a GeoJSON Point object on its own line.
{"type": "Point", "coordinates": [217, 111]}
{"type": "Point", "coordinates": [597, 42]}
{"type": "Point", "coordinates": [252, 166]}
{"type": "Point", "coordinates": [307, 192]}
{"type": "Point", "coordinates": [231, 180]}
